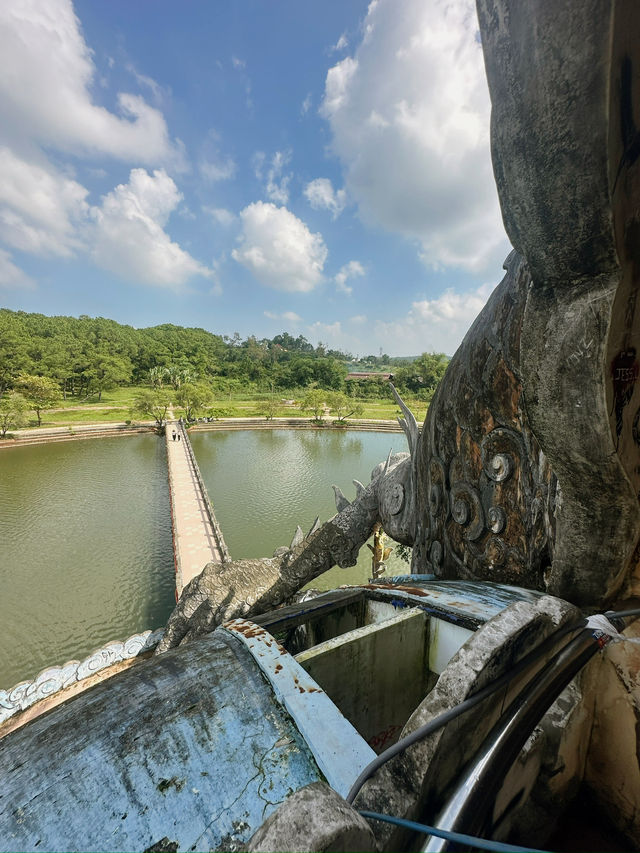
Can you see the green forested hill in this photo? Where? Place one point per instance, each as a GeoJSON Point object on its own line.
{"type": "Point", "coordinates": [86, 355]}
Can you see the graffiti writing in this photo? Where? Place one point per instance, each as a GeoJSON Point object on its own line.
{"type": "Point", "coordinates": [624, 373]}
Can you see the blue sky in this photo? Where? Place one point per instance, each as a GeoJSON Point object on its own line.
{"type": "Point", "coordinates": [241, 165]}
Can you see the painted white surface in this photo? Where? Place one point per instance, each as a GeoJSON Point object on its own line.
{"type": "Point", "coordinates": [444, 641]}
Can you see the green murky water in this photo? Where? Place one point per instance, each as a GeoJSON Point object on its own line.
{"type": "Point", "coordinates": [85, 532]}
{"type": "Point", "coordinates": [85, 549]}
{"type": "Point", "coordinates": [265, 482]}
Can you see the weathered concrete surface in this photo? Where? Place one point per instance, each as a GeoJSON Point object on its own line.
{"type": "Point", "coordinates": [315, 818]}
{"type": "Point", "coordinates": [176, 748]}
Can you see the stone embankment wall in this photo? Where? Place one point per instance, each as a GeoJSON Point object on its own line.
{"type": "Point", "coordinates": [23, 438]}
{"type": "Point", "coordinates": [296, 423]}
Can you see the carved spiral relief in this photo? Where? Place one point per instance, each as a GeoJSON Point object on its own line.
{"type": "Point", "coordinates": [460, 511]}
{"type": "Point", "coordinates": [500, 449]}
{"type": "Point", "coordinates": [466, 510]}
{"type": "Point", "coordinates": [500, 467]}
{"type": "Point", "coordinates": [497, 519]}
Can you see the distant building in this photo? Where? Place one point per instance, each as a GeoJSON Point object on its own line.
{"type": "Point", "coordinates": [369, 375]}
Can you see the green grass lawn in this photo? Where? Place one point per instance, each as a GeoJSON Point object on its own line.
{"type": "Point", "coordinates": [115, 406]}
{"type": "Point", "coordinates": [93, 416]}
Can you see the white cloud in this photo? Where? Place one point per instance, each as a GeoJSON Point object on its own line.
{"type": "Point", "coordinates": [40, 208]}
{"type": "Point", "coordinates": [143, 80]}
{"type": "Point", "coordinates": [321, 196]}
{"type": "Point", "coordinates": [276, 181]}
{"type": "Point", "coordinates": [306, 105]}
{"type": "Point", "coordinates": [332, 332]}
{"type": "Point", "coordinates": [46, 73]}
{"type": "Point", "coordinates": [358, 319]}
{"type": "Point", "coordinates": [353, 269]}
{"type": "Point", "coordinates": [287, 316]}
{"type": "Point", "coordinates": [279, 249]}
{"type": "Point", "coordinates": [238, 63]}
{"type": "Point", "coordinates": [128, 236]}
{"type": "Point", "coordinates": [11, 276]}
{"type": "Point", "coordinates": [409, 114]}
{"type": "Point", "coordinates": [220, 215]}
{"type": "Point", "coordinates": [434, 325]}
{"type": "Point", "coordinates": [341, 44]}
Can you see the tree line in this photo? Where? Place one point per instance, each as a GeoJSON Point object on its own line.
{"type": "Point", "coordinates": [43, 359]}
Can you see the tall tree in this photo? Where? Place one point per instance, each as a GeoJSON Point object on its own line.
{"type": "Point", "coordinates": [343, 407]}
{"type": "Point", "coordinates": [194, 397]}
{"type": "Point", "coordinates": [152, 404]}
{"type": "Point", "coordinates": [40, 392]}
{"type": "Point", "coordinates": [13, 412]}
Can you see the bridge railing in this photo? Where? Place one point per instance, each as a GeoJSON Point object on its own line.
{"type": "Point", "coordinates": [217, 532]}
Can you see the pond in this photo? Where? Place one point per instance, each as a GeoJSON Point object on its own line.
{"type": "Point", "coordinates": [263, 483]}
{"type": "Point", "coordinates": [86, 533]}
{"type": "Point", "coordinates": [87, 554]}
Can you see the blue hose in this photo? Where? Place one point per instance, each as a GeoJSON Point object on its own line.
{"type": "Point", "coordinates": [457, 837]}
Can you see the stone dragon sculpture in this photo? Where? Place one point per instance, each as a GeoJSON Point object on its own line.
{"type": "Point", "coordinates": [527, 469]}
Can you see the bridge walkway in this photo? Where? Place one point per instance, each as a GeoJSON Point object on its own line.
{"type": "Point", "coordinates": [197, 538]}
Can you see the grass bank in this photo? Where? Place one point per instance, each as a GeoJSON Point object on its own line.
{"type": "Point", "coordinates": [115, 406]}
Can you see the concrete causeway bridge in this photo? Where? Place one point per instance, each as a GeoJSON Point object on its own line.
{"type": "Point", "coordinates": [197, 538]}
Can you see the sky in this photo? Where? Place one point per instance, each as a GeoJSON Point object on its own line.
{"type": "Point", "coordinates": [319, 167]}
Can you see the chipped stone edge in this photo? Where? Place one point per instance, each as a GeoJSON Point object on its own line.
{"type": "Point", "coordinates": [56, 678]}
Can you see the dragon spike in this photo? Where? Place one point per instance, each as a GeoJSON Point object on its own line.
{"type": "Point", "coordinates": [298, 538]}
{"type": "Point", "coordinates": [314, 526]}
{"type": "Point", "coordinates": [408, 423]}
{"type": "Point", "coordinates": [359, 488]}
{"type": "Point", "coordinates": [341, 501]}
{"type": "Point", "coordinates": [387, 463]}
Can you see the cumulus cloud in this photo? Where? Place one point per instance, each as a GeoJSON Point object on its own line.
{"type": "Point", "coordinates": [278, 248]}
{"type": "Point", "coordinates": [321, 196]}
{"type": "Point", "coordinates": [409, 115]}
{"type": "Point", "coordinates": [11, 276]}
{"type": "Point", "coordinates": [128, 236]}
{"type": "Point", "coordinates": [220, 215]}
{"type": "Point", "coordinates": [287, 316]}
{"type": "Point", "coordinates": [46, 73]}
{"type": "Point", "coordinates": [353, 269]}
{"type": "Point", "coordinates": [40, 207]}
{"type": "Point", "coordinates": [435, 325]}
